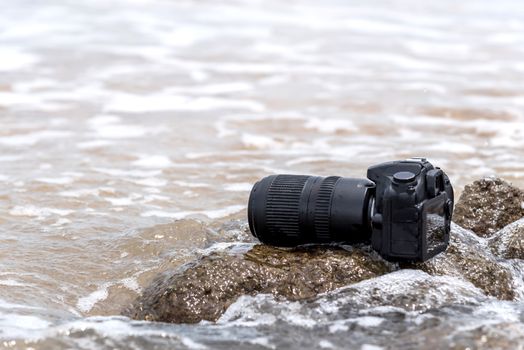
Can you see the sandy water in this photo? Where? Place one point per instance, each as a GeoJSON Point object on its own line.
{"type": "Point", "coordinates": [118, 119]}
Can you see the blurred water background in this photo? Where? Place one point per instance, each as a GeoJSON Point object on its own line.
{"type": "Point", "coordinates": [119, 118]}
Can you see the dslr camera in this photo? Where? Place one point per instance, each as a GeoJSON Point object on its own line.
{"type": "Point", "coordinates": [403, 209]}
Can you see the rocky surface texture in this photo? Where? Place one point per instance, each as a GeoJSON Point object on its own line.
{"type": "Point", "coordinates": [204, 289]}
{"type": "Point", "coordinates": [470, 258]}
{"type": "Point", "coordinates": [469, 272]}
{"type": "Point", "coordinates": [487, 205]}
{"type": "Point", "coordinates": [508, 243]}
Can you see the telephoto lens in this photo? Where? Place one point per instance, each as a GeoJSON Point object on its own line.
{"type": "Point", "coordinates": [403, 209]}
{"type": "Point", "coordinates": [288, 210]}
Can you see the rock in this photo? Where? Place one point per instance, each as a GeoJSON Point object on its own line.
{"type": "Point", "coordinates": [206, 288]}
{"type": "Point", "coordinates": [508, 243]}
{"type": "Point", "coordinates": [502, 335]}
{"type": "Point", "coordinates": [488, 205]}
{"type": "Point", "coordinates": [469, 257]}
{"type": "Point", "coordinates": [410, 290]}
{"type": "Point", "coordinates": [392, 297]}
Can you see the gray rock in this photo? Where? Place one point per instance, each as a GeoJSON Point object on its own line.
{"type": "Point", "coordinates": [469, 257]}
{"type": "Point", "coordinates": [404, 289]}
{"type": "Point", "coordinates": [398, 294]}
{"type": "Point", "coordinates": [206, 288]}
{"type": "Point", "coordinates": [503, 335]}
{"type": "Point", "coordinates": [488, 205]}
{"type": "Point", "coordinates": [508, 243]}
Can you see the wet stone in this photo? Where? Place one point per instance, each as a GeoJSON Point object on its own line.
{"type": "Point", "coordinates": [205, 289]}
{"type": "Point", "coordinates": [407, 289]}
{"type": "Point", "coordinates": [468, 256]}
{"type": "Point", "coordinates": [488, 205]}
{"type": "Point", "coordinates": [508, 243]}
{"type": "Point", "coordinates": [503, 335]}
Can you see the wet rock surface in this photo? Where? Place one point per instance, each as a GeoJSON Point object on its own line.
{"type": "Point", "coordinates": [204, 289]}
{"type": "Point", "coordinates": [406, 309]}
{"type": "Point", "coordinates": [487, 205]}
{"type": "Point", "coordinates": [469, 257]}
{"type": "Point", "coordinates": [508, 243]}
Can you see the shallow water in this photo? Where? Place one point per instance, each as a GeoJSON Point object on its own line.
{"type": "Point", "coordinates": [120, 118]}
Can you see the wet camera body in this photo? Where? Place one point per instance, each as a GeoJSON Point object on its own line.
{"type": "Point", "coordinates": [411, 214]}
{"type": "Point", "coordinates": [403, 209]}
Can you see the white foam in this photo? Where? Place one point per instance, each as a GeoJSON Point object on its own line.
{"type": "Point", "coordinates": [363, 321]}
{"type": "Point", "coordinates": [85, 304]}
{"type": "Point", "coordinates": [124, 201]}
{"type": "Point", "coordinates": [338, 326]}
{"type": "Point", "coordinates": [61, 222]}
{"type": "Point", "coordinates": [12, 283]}
{"type": "Point", "coordinates": [325, 344]}
{"type": "Point", "coordinates": [212, 214]}
{"type": "Point", "coordinates": [153, 161]}
{"type": "Point", "coordinates": [32, 138]}
{"type": "Point", "coordinates": [263, 341]}
{"type": "Point", "coordinates": [80, 192]}
{"type": "Point", "coordinates": [13, 58]}
{"type": "Point", "coordinates": [9, 158]}
{"type": "Point", "coordinates": [215, 89]}
{"type": "Point", "coordinates": [131, 283]}
{"type": "Point", "coordinates": [151, 182]}
{"type": "Point", "coordinates": [114, 327]}
{"type": "Point", "coordinates": [167, 101]}
{"type": "Point", "coordinates": [259, 141]}
{"type": "Point", "coordinates": [56, 180]}
{"type": "Point", "coordinates": [110, 127]}
{"type": "Point", "coordinates": [129, 172]}
{"type": "Point", "coordinates": [233, 247]}
{"type": "Point", "coordinates": [368, 321]}
{"type": "Point", "coordinates": [330, 125]}
{"type": "Point", "coordinates": [294, 317]}
{"type": "Point", "coordinates": [223, 212]}
{"type": "Point", "coordinates": [191, 184]}
{"type": "Point", "coordinates": [306, 159]}
{"type": "Point", "coordinates": [155, 197]}
{"type": "Point", "coordinates": [101, 120]}
{"type": "Point", "coordinates": [36, 83]}
{"type": "Point", "coordinates": [192, 344]}
{"type": "Point", "coordinates": [242, 313]}
{"type": "Point", "coordinates": [239, 187]}
{"type": "Point", "coordinates": [453, 147]}
{"type": "Point", "coordinates": [33, 211]}
{"type": "Point", "coordinates": [97, 143]}
{"type": "Point", "coordinates": [17, 326]}
{"type": "Point", "coordinates": [371, 347]}
{"type": "Point", "coordinates": [12, 306]}
{"type": "Point", "coordinates": [120, 131]}
{"type": "Point", "coordinates": [197, 155]}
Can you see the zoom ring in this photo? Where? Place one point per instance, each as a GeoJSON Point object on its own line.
{"type": "Point", "coordinates": [283, 205]}
{"type": "Point", "coordinates": [323, 208]}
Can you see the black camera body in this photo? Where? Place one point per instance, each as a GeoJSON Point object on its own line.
{"type": "Point", "coordinates": [403, 209]}
{"type": "Point", "coordinates": [412, 210]}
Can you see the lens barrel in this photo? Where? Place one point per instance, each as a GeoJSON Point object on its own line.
{"type": "Point", "coordinates": [286, 210]}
